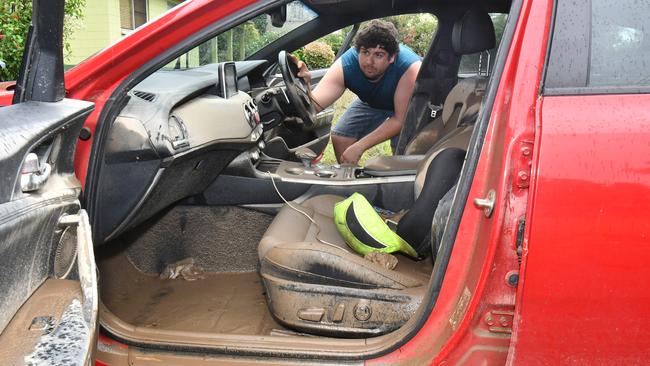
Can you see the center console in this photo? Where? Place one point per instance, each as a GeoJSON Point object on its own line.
{"type": "Point", "coordinates": [335, 174]}
{"type": "Point", "coordinates": [264, 183]}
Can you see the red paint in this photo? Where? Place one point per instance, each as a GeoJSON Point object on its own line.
{"type": "Point", "coordinates": [586, 290]}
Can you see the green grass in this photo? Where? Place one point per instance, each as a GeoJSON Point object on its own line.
{"type": "Point", "coordinates": [339, 107]}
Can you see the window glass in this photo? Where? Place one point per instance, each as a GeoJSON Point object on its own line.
{"type": "Point", "coordinates": [139, 12]}
{"type": "Point", "coordinates": [133, 13]}
{"type": "Point", "coordinates": [599, 46]}
{"type": "Point", "coordinates": [413, 30]}
{"type": "Point", "coordinates": [620, 43]}
{"type": "Point", "coordinates": [243, 40]}
{"type": "Point", "coordinates": [126, 14]}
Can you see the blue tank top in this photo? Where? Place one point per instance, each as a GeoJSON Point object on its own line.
{"type": "Point", "coordinates": [380, 94]}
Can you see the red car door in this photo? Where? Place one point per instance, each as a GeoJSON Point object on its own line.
{"type": "Point", "coordinates": [48, 292]}
{"type": "Point", "coordinates": [585, 292]}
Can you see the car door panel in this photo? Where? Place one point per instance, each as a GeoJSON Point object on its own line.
{"type": "Point", "coordinates": [43, 234]}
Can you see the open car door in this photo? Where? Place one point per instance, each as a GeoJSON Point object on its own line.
{"type": "Point", "coordinates": [48, 291]}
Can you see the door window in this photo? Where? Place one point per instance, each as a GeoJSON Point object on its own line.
{"type": "Point", "coordinates": [620, 43]}
{"type": "Point", "coordinates": [599, 47]}
{"type": "Point", "coordinates": [133, 13]}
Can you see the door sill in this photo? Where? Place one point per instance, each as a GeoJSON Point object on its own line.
{"type": "Point", "coordinates": [254, 345]}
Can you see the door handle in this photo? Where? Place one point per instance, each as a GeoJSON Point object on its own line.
{"type": "Point", "coordinates": [33, 174]}
{"type": "Point", "coordinates": [487, 203]}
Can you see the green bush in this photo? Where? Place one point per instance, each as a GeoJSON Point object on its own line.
{"type": "Point", "coordinates": [415, 30]}
{"type": "Point", "coordinates": [299, 53]}
{"type": "Point", "coordinates": [318, 55]}
{"type": "Point", "coordinates": [335, 40]}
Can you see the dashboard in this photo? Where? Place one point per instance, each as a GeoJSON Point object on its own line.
{"type": "Point", "coordinates": [181, 110]}
{"type": "Point", "coordinates": [177, 132]}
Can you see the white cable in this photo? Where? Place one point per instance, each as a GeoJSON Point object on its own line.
{"type": "Point", "coordinates": [305, 214]}
{"type": "Point", "coordinates": [287, 202]}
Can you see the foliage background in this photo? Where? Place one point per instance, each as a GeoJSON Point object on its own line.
{"type": "Point", "coordinates": [414, 30]}
{"type": "Point", "coordinates": [15, 19]}
{"type": "Point", "coordinates": [318, 55]}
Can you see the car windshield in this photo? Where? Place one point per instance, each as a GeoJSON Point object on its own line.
{"type": "Point", "coordinates": [238, 43]}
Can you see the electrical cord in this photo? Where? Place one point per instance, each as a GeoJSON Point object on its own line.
{"type": "Point", "coordinates": [304, 214]}
{"type": "Point", "coordinates": [311, 96]}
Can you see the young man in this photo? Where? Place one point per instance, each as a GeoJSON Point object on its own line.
{"type": "Point", "coordinates": [382, 74]}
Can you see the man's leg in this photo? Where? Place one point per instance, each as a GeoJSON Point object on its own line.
{"type": "Point", "coordinates": [350, 127]}
{"type": "Point", "coordinates": [358, 120]}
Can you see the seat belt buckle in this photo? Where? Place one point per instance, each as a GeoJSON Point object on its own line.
{"type": "Point", "coordinates": [435, 110]}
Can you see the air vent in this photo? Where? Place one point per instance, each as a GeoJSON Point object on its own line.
{"type": "Point", "coordinates": [149, 97]}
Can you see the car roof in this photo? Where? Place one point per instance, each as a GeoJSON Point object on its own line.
{"type": "Point", "coordinates": [380, 7]}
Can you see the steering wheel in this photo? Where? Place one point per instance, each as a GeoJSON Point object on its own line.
{"type": "Point", "coordinates": [297, 90]}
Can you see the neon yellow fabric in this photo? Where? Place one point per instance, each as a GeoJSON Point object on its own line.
{"type": "Point", "coordinates": [372, 224]}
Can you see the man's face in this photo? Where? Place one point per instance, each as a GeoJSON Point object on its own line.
{"type": "Point", "coordinates": [374, 62]}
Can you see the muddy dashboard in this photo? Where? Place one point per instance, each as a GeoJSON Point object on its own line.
{"type": "Point", "coordinates": [181, 110]}
{"type": "Point", "coordinates": [174, 137]}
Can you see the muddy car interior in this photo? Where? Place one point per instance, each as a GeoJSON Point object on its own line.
{"type": "Point", "coordinates": [214, 229]}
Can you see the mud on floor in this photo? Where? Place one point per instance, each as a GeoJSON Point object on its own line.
{"type": "Point", "coordinates": [230, 303]}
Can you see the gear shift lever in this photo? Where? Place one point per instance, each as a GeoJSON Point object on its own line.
{"type": "Point", "coordinates": [306, 155]}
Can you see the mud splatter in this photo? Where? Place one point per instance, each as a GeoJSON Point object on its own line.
{"type": "Point", "coordinates": [67, 344]}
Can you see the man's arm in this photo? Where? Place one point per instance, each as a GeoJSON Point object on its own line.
{"type": "Point", "coordinates": [391, 126]}
{"type": "Point", "coordinates": [329, 88]}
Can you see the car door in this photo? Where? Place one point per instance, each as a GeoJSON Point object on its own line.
{"type": "Point", "coordinates": [585, 263]}
{"type": "Point", "coordinates": [48, 291]}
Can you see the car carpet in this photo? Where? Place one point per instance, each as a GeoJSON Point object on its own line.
{"type": "Point", "coordinates": [226, 303]}
{"type": "Point", "coordinates": [219, 238]}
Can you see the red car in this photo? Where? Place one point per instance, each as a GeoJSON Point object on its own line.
{"type": "Point", "coordinates": [151, 199]}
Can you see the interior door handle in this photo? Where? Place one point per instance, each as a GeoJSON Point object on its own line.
{"type": "Point", "coordinates": [34, 174]}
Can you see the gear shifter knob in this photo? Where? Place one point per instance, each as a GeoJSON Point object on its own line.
{"type": "Point", "coordinates": [306, 155]}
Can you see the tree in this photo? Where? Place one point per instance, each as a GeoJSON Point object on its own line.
{"type": "Point", "coordinates": [15, 19]}
{"type": "Point", "coordinates": [415, 30]}
{"type": "Point", "coordinates": [318, 55]}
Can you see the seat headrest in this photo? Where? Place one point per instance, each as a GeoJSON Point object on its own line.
{"type": "Point", "coordinates": [473, 32]}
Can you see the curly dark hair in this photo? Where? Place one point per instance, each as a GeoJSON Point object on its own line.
{"type": "Point", "coordinates": [378, 33]}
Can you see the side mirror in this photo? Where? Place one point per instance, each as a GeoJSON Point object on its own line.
{"type": "Point", "coordinates": [279, 16]}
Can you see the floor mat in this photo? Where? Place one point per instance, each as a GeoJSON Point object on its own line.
{"type": "Point", "coordinates": [220, 303]}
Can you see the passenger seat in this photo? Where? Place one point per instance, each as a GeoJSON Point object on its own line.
{"type": "Point", "coordinates": [473, 33]}
{"type": "Point", "coordinates": [460, 110]}
{"type": "Point", "coordinates": [315, 283]}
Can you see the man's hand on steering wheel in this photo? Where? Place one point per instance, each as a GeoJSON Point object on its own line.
{"type": "Point", "coordinates": [296, 87]}
{"type": "Point", "coordinates": [303, 70]}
